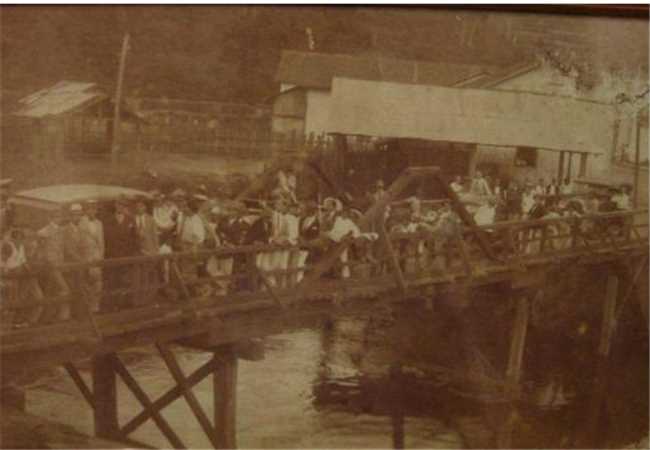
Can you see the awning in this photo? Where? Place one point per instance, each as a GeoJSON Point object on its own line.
{"type": "Point", "coordinates": [63, 194]}
{"type": "Point", "coordinates": [488, 117]}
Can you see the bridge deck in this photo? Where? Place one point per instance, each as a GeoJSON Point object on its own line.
{"type": "Point", "coordinates": [258, 308]}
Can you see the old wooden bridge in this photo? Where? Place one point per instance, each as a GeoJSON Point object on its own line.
{"type": "Point", "coordinates": [518, 255]}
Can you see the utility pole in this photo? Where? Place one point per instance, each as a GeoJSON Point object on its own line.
{"type": "Point", "coordinates": [636, 159]}
{"type": "Point", "coordinates": [115, 141]}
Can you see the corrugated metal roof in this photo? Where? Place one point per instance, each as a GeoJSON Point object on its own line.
{"type": "Point", "coordinates": [316, 70]}
{"type": "Point", "coordinates": [64, 97]}
{"type": "Point", "coordinates": [481, 116]}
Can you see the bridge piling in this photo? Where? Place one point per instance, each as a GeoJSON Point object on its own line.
{"type": "Point", "coordinates": [514, 370]}
{"type": "Point", "coordinates": [224, 386]}
{"type": "Point", "coordinates": [587, 437]}
{"type": "Point", "coordinates": [105, 397]}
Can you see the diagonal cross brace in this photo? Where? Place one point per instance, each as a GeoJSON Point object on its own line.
{"type": "Point", "coordinates": [80, 383]}
{"type": "Point", "coordinates": [169, 397]}
{"type": "Point", "coordinates": [195, 406]}
{"type": "Point", "coordinates": [144, 400]}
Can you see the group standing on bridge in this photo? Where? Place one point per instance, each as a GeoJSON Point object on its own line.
{"type": "Point", "coordinates": [302, 230]}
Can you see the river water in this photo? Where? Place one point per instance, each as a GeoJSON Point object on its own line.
{"type": "Point", "coordinates": [329, 388]}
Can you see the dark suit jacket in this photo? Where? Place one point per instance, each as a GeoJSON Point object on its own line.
{"type": "Point", "coordinates": [120, 239]}
{"type": "Point", "coordinates": [259, 232]}
{"type": "Point", "coordinates": [310, 232]}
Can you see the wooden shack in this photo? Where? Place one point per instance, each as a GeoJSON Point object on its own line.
{"type": "Point", "coordinates": [74, 118]}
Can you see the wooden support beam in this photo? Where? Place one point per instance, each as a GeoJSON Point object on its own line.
{"type": "Point", "coordinates": [560, 166]}
{"type": "Point", "coordinates": [609, 316]}
{"type": "Point", "coordinates": [193, 403]}
{"type": "Point", "coordinates": [465, 216]}
{"type": "Point", "coordinates": [168, 397]}
{"type": "Point", "coordinates": [324, 265]}
{"type": "Point", "coordinates": [144, 400]}
{"type": "Point", "coordinates": [637, 150]}
{"type": "Point", "coordinates": [569, 169]}
{"type": "Point", "coordinates": [517, 345]}
{"type": "Point", "coordinates": [105, 397]}
{"type": "Point", "coordinates": [587, 436]}
{"type": "Point", "coordinates": [225, 399]}
{"type": "Point", "coordinates": [397, 408]}
{"type": "Point", "coordinates": [582, 172]}
{"type": "Point", "coordinates": [80, 383]}
{"type": "Point", "coordinates": [513, 371]}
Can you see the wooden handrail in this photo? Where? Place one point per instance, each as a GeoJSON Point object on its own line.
{"type": "Point", "coordinates": [225, 252]}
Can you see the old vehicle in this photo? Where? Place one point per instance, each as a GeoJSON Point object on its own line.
{"type": "Point", "coordinates": [31, 207]}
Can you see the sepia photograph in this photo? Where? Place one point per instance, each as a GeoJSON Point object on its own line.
{"type": "Point", "coordinates": [324, 226]}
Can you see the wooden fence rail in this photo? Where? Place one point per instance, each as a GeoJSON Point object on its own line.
{"type": "Point", "coordinates": [525, 242]}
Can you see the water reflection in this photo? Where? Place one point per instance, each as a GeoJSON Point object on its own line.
{"type": "Point", "coordinates": [413, 378]}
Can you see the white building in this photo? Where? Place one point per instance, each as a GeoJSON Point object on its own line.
{"type": "Point", "coordinates": [305, 78]}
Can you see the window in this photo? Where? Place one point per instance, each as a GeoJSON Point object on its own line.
{"type": "Point", "coordinates": [526, 157]}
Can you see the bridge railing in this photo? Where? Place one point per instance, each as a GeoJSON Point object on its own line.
{"type": "Point", "coordinates": [236, 275]}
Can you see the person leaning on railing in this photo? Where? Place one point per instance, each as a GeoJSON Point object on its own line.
{"type": "Point", "coordinates": [537, 211]}
{"type": "Point", "coordinates": [190, 239]}
{"type": "Point", "coordinates": [52, 245]}
{"type": "Point", "coordinates": [120, 241]}
{"type": "Point", "coordinates": [94, 228]}
{"type": "Point", "coordinates": [14, 261]}
{"type": "Point", "coordinates": [77, 248]}
{"type": "Point", "coordinates": [217, 266]}
{"type": "Point", "coordinates": [146, 274]}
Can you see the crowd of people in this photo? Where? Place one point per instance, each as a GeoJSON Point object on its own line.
{"type": "Point", "coordinates": [190, 224]}
{"type": "Point", "coordinates": [498, 201]}
{"type": "Point", "coordinates": [516, 201]}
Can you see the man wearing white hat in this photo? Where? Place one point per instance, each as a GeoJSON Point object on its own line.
{"type": "Point", "coordinates": [77, 248]}
{"type": "Point", "coordinates": [94, 231]}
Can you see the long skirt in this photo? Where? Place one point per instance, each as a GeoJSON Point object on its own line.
{"type": "Point", "coordinates": [272, 261]}
{"type": "Point", "coordinates": [297, 259]}
{"type": "Point", "coordinates": [220, 267]}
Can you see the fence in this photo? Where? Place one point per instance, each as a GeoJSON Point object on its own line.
{"type": "Point", "coordinates": [238, 281]}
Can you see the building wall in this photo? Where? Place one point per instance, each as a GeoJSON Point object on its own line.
{"type": "Point", "coordinates": [500, 161]}
{"type": "Point", "coordinates": [545, 80]}
{"type": "Point", "coordinates": [289, 110]}
{"type": "Point", "coordinates": [288, 125]}
{"type": "Point", "coordinates": [318, 109]}
{"type": "Point", "coordinates": [290, 104]}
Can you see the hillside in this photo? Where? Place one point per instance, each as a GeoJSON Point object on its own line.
{"type": "Point", "coordinates": [230, 53]}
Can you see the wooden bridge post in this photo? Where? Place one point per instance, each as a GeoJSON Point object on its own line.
{"type": "Point", "coordinates": [513, 371]}
{"type": "Point", "coordinates": [587, 437]}
{"type": "Point", "coordinates": [560, 166]}
{"type": "Point", "coordinates": [517, 344]}
{"type": "Point", "coordinates": [105, 397]}
{"type": "Point", "coordinates": [224, 386]}
{"type": "Point", "coordinates": [397, 409]}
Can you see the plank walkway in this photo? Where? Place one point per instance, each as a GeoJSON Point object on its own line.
{"type": "Point", "coordinates": [235, 316]}
{"type": "Point", "coordinates": [247, 304]}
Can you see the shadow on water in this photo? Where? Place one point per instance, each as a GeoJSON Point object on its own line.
{"type": "Point", "coordinates": [433, 378]}
{"type": "Point", "coordinates": [448, 364]}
